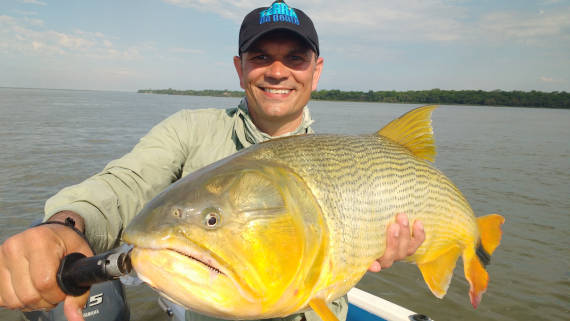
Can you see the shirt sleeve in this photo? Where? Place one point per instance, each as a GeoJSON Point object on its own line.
{"type": "Point", "coordinates": [108, 200]}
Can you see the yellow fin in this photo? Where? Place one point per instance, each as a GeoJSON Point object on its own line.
{"type": "Point", "coordinates": [490, 233]}
{"type": "Point", "coordinates": [437, 273]}
{"type": "Point", "coordinates": [413, 130]}
{"type": "Point", "coordinates": [322, 310]}
{"type": "Point", "coordinates": [477, 277]}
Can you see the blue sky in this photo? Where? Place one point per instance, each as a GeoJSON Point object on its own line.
{"type": "Point", "coordinates": [367, 45]}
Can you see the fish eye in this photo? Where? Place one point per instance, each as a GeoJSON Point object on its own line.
{"type": "Point", "coordinates": [212, 218]}
{"type": "Point", "coordinates": [176, 212]}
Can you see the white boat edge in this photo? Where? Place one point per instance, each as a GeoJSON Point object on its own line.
{"type": "Point", "coordinates": [378, 306]}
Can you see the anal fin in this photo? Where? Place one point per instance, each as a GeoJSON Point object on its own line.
{"type": "Point", "coordinates": [437, 273]}
{"type": "Point", "coordinates": [322, 310]}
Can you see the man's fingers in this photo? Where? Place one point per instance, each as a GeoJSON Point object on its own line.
{"type": "Point", "coordinates": [44, 279]}
{"type": "Point", "coordinates": [375, 267]}
{"type": "Point", "coordinates": [28, 265]}
{"type": "Point", "coordinates": [7, 294]}
{"type": "Point", "coordinates": [418, 237]}
{"type": "Point", "coordinates": [43, 269]}
{"type": "Point", "coordinates": [404, 239]}
{"type": "Point", "coordinates": [72, 307]}
{"type": "Point", "coordinates": [400, 242]}
{"type": "Point", "coordinates": [31, 271]}
{"type": "Point", "coordinates": [392, 241]}
{"type": "Point", "coordinates": [30, 286]}
{"type": "Point", "coordinates": [27, 295]}
{"type": "Point", "coordinates": [23, 295]}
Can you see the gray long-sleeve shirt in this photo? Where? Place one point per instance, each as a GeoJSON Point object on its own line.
{"type": "Point", "coordinates": [177, 146]}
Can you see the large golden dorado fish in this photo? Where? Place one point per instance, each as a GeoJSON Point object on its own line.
{"type": "Point", "coordinates": [296, 222]}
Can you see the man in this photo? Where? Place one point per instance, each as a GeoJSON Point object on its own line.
{"type": "Point", "coordinates": [278, 67]}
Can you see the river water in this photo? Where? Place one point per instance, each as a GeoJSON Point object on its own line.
{"type": "Point", "coordinates": [512, 161]}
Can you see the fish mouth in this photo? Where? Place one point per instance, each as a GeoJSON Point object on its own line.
{"type": "Point", "coordinates": [189, 254]}
{"type": "Point", "coordinates": [195, 256]}
{"type": "Point", "coordinates": [208, 262]}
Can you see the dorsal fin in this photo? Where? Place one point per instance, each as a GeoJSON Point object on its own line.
{"type": "Point", "coordinates": [413, 130]}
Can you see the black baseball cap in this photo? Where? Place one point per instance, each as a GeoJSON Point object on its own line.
{"type": "Point", "coordinates": [279, 16]}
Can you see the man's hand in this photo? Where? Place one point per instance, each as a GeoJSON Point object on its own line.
{"type": "Point", "coordinates": [400, 243]}
{"type": "Point", "coordinates": [28, 266]}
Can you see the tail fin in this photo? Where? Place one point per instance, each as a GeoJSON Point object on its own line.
{"type": "Point", "coordinates": [490, 230]}
{"type": "Point", "coordinates": [476, 259]}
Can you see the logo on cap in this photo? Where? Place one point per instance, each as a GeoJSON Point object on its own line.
{"type": "Point", "coordinates": [278, 12]}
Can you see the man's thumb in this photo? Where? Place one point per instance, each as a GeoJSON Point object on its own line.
{"type": "Point", "coordinates": [73, 307]}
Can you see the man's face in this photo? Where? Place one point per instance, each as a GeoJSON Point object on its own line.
{"type": "Point", "coordinates": [278, 74]}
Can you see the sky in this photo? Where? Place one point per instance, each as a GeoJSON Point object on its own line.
{"type": "Point", "coordinates": [366, 45]}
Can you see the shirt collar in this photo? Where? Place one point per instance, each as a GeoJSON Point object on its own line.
{"type": "Point", "coordinates": [248, 134]}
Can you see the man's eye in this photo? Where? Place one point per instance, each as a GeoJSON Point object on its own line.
{"type": "Point", "coordinates": [260, 58]}
{"type": "Point", "coordinates": [296, 61]}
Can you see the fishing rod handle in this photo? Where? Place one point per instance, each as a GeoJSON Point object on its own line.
{"type": "Point", "coordinates": [77, 272]}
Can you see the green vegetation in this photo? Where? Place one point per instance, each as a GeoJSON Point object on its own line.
{"type": "Point", "coordinates": [207, 92]}
{"type": "Point", "coordinates": [556, 99]}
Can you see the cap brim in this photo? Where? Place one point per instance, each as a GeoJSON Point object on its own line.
{"type": "Point", "coordinates": [250, 42]}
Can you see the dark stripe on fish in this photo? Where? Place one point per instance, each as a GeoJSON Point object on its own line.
{"type": "Point", "coordinates": [483, 255]}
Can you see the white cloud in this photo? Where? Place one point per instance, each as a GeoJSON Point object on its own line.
{"type": "Point", "coordinates": [527, 28]}
{"type": "Point", "coordinates": [37, 2]}
{"type": "Point", "coordinates": [34, 22]}
{"type": "Point", "coordinates": [548, 2]}
{"type": "Point", "coordinates": [121, 73]}
{"type": "Point", "coordinates": [390, 44]}
{"type": "Point", "coordinates": [233, 10]}
{"type": "Point", "coordinates": [24, 13]}
{"type": "Point", "coordinates": [402, 21]}
{"type": "Point", "coordinates": [410, 21]}
{"type": "Point", "coordinates": [25, 36]}
{"type": "Point", "coordinates": [551, 80]}
{"type": "Point", "coordinates": [432, 20]}
{"type": "Point", "coordinates": [37, 45]}
{"type": "Point", "coordinates": [186, 51]}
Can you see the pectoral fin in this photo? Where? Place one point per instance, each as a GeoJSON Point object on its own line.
{"type": "Point", "coordinates": [437, 273]}
{"type": "Point", "coordinates": [322, 310]}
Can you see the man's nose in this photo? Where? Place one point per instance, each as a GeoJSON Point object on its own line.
{"type": "Point", "coordinates": [277, 70]}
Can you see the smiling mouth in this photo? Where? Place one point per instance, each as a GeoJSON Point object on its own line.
{"type": "Point", "coordinates": [277, 91]}
{"type": "Point", "coordinates": [209, 266]}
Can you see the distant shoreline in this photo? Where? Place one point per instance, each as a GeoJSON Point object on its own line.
{"type": "Point", "coordinates": [556, 99]}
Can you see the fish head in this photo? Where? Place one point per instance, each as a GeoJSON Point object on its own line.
{"type": "Point", "coordinates": [240, 239]}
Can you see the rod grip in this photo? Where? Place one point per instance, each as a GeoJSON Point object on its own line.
{"type": "Point", "coordinates": [77, 272]}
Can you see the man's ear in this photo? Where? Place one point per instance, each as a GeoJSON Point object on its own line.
{"type": "Point", "coordinates": [317, 73]}
{"type": "Point", "coordinates": [239, 70]}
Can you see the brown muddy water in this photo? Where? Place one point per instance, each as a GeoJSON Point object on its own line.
{"type": "Point", "coordinates": [512, 161]}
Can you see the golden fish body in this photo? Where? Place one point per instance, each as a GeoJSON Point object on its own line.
{"type": "Point", "coordinates": [297, 221]}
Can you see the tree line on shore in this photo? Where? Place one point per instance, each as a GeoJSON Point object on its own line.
{"type": "Point", "coordinates": [556, 99]}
